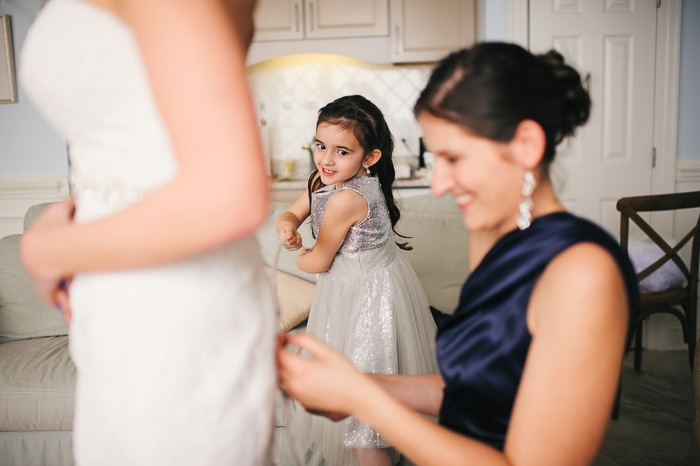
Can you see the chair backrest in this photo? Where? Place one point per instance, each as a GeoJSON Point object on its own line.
{"type": "Point", "coordinates": [630, 207]}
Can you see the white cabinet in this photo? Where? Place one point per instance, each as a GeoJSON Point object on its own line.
{"type": "Point", "coordinates": [377, 31]}
{"type": "Point", "coordinates": [424, 31]}
{"type": "Point", "coordinates": [279, 20]}
{"type": "Point", "coordinates": [320, 19]}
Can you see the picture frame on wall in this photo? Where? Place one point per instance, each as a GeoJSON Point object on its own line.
{"type": "Point", "coordinates": [8, 83]}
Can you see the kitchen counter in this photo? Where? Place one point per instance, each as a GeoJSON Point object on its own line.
{"type": "Point", "coordinates": [290, 190]}
{"type": "Point", "coordinates": [300, 185]}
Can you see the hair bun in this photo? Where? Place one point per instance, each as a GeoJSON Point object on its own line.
{"type": "Point", "coordinates": [576, 102]}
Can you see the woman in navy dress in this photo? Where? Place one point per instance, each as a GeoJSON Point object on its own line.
{"type": "Point", "coordinates": [530, 360]}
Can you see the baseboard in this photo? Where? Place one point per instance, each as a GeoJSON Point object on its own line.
{"type": "Point", "coordinates": [18, 194]}
{"type": "Point", "coordinates": [688, 172]}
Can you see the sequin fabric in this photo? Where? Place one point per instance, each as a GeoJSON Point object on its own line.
{"type": "Point", "coordinates": [370, 306]}
{"type": "Point", "coordinates": [374, 231]}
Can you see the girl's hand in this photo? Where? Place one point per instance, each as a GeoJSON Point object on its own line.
{"type": "Point", "coordinates": [36, 241]}
{"type": "Point", "coordinates": [325, 382]}
{"type": "Point", "coordinates": [289, 233]}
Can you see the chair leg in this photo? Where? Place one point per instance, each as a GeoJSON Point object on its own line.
{"type": "Point", "coordinates": [616, 405]}
{"type": "Point", "coordinates": [692, 334]}
{"type": "Point", "coordinates": [638, 346]}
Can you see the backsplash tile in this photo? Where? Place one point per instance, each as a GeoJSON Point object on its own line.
{"type": "Point", "coordinates": [289, 91]}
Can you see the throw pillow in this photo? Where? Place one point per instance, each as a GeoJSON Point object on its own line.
{"type": "Point", "coordinates": [643, 253]}
{"type": "Point", "coordinates": [294, 296]}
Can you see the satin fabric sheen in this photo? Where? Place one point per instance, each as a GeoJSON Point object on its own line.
{"type": "Point", "coordinates": [482, 348]}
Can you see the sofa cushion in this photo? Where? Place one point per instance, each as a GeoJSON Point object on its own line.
{"type": "Point", "coordinates": [23, 314]}
{"type": "Point", "coordinates": [294, 295]}
{"type": "Point", "coordinates": [268, 240]}
{"type": "Point", "coordinates": [440, 254]}
{"type": "Point", "coordinates": [32, 213]}
{"type": "Point", "coordinates": [37, 385]}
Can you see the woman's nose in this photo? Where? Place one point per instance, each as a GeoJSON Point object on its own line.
{"type": "Point", "coordinates": [443, 179]}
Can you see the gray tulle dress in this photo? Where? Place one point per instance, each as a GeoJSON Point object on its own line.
{"type": "Point", "coordinates": [370, 306]}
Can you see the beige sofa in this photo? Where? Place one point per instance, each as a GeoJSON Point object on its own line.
{"type": "Point", "coordinates": [37, 377]}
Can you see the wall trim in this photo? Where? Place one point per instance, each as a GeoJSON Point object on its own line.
{"type": "Point", "coordinates": [11, 188]}
{"type": "Point", "coordinates": [668, 51]}
{"type": "Point", "coordinates": [18, 194]}
{"type": "Point", "coordinates": [688, 170]}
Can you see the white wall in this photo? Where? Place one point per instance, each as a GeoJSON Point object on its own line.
{"type": "Point", "coordinates": [28, 146]}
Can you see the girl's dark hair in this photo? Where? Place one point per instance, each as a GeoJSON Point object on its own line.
{"type": "Point", "coordinates": [364, 119]}
{"type": "Point", "coordinates": [490, 88]}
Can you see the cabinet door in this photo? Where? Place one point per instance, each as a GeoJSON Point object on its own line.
{"type": "Point", "coordinates": [343, 18]}
{"type": "Point", "coordinates": [427, 31]}
{"type": "Point", "coordinates": [279, 20]}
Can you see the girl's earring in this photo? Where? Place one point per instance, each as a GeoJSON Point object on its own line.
{"type": "Point", "coordinates": [525, 207]}
{"type": "Point", "coordinates": [367, 168]}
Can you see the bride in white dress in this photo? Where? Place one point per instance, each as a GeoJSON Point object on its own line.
{"type": "Point", "coordinates": [173, 322]}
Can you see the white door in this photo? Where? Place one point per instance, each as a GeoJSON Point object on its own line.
{"type": "Point", "coordinates": [610, 157]}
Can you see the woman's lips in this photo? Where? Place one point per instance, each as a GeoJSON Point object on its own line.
{"type": "Point", "coordinates": [464, 200]}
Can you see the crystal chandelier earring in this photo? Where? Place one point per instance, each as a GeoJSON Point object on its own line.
{"type": "Point", "coordinates": [525, 207]}
{"type": "Point", "coordinates": [367, 168]}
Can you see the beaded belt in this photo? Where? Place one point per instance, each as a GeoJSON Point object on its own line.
{"type": "Point", "coordinates": [111, 192]}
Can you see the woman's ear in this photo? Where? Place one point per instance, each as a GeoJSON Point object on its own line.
{"type": "Point", "coordinates": [373, 157]}
{"type": "Point", "coordinates": [528, 144]}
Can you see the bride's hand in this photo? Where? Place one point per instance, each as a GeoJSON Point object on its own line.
{"type": "Point", "coordinates": [35, 244]}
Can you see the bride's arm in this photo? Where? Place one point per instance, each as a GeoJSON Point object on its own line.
{"type": "Point", "coordinates": [195, 60]}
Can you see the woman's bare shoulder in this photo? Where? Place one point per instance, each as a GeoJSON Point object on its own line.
{"type": "Point", "coordinates": [581, 284]}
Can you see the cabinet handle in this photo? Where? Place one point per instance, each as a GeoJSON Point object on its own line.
{"type": "Point", "coordinates": [398, 48]}
{"type": "Point", "coordinates": [311, 16]}
{"type": "Point", "coordinates": [296, 16]}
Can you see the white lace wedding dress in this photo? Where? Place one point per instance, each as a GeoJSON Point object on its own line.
{"type": "Point", "coordinates": [175, 363]}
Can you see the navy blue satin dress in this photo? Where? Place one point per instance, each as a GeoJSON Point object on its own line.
{"type": "Point", "coordinates": [482, 348]}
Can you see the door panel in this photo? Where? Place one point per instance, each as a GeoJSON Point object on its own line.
{"type": "Point", "coordinates": [614, 42]}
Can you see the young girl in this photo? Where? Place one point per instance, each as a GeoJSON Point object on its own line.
{"type": "Point", "coordinates": [368, 302]}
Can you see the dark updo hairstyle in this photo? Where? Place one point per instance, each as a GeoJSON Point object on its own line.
{"type": "Point", "coordinates": [366, 122]}
{"type": "Point", "coordinates": [490, 88]}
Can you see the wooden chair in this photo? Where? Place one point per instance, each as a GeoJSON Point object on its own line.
{"type": "Point", "coordinates": [679, 300]}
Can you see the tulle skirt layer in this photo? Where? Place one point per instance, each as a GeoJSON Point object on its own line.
{"type": "Point", "coordinates": [371, 307]}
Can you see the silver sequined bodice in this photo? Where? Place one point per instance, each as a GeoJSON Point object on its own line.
{"type": "Point", "coordinates": [371, 233]}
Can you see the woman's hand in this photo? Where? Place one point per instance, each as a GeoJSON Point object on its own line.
{"type": "Point", "coordinates": [35, 244]}
{"type": "Point", "coordinates": [326, 382]}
